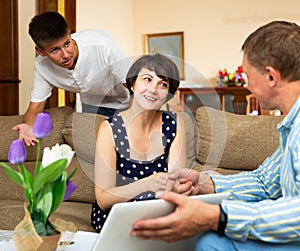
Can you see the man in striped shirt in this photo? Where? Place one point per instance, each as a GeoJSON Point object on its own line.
{"type": "Point", "coordinates": [263, 212]}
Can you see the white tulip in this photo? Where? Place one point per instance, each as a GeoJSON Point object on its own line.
{"type": "Point", "coordinates": [57, 152]}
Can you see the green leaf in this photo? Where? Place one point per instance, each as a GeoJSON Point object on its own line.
{"type": "Point", "coordinates": [15, 176]}
{"type": "Point", "coordinates": [49, 174]}
{"type": "Point", "coordinates": [45, 202]}
{"type": "Point", "coordinates": [28, 179]}
{"type": "Point", "coordinates": [72, 174]}
{"type": "Point", "coordinates": [26, 174]}
{"type": "Point", "coordinates": [59, 190]}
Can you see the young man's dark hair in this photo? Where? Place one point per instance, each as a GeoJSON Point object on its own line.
{"type": "Point", "coordinates": [42, 31]}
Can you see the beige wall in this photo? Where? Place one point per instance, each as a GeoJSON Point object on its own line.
{"type": "Point", "coordinates": [213, 30]}
{"type": "Point", "coordinates": [115, 17]}
{"type": "Point", "coordinates": [26, 53]}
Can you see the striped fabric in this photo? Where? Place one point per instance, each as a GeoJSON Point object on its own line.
{"type": "Point", "coordinates": [265, 203]}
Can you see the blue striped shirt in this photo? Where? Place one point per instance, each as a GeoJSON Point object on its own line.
{"type": "Point", "coordinates": [265, 203]}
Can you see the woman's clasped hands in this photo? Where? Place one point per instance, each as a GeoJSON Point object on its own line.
{"type": "Point", "coordinates": [182, 181]}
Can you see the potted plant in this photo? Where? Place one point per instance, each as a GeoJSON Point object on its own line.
{"type": "Point", "coordinates": [44, 190]}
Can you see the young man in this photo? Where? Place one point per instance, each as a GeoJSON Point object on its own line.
{"type": "Point", "coordinates": [264, 210]}
{"type": "Point", "coordinates": [86, 62]}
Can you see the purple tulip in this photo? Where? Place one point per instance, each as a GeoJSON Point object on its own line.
{"type": "Point", "coordinates": [17, 152]}
{"type": "Point", "coordinates": [69, 189]}
{"type": "Point", "coordinates": [43, 125]}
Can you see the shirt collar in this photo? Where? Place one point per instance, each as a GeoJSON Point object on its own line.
{"type": "Point", "coordinates": [291, 116]}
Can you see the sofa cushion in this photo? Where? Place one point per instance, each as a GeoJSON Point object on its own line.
{"type": "Point", "coordinates": [85, 184]}
{"type": "Point", "coordinates": [80, 132]}
{"type": "Point", "coordinates": [231, 141]}
{"type": "Point", "coordinates": [58, 115]}
{"type": "Point", "coordinates": [76, 212]}
{"type": "Point", "coordinates": [11, 190]}
{"type": "Point", "coordinates": [191, 136]}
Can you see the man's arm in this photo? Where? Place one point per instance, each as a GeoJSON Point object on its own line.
{"type": "Point", "coordinates": [25, 129]}
{"type": "Point", "coordinates": [260, 184]}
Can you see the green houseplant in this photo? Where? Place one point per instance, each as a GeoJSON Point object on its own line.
{"type": "Point", "coordinates": [45, 189]}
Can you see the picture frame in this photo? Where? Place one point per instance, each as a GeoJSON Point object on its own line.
{"type": "Point", "coordinates": [170, 44]}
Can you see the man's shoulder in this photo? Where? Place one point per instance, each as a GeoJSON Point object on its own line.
{"type": "Point", "coordinates": [42, 62]}
{"type": "Point", "coordinates": [91, 35]}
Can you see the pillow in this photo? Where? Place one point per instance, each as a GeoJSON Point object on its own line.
{"type": "Point", "coordinates": [80, 132]}
{"type": "Point", "coordinates": [58, 115]}
{"type": "Point", "coordinates": [190, 130]}
{"type": "Point", "coordinates": [232, 141]}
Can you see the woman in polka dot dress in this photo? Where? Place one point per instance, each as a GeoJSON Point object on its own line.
{"type": "Point", "coordinates": [138, 147]}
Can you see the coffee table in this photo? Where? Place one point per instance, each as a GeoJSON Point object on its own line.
{"type": "Point", "coordinates": [81, 241]}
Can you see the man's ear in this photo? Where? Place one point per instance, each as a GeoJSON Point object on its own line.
{"type": "Point", "coordinates": [273, 76]}
{"type": "Point", "coordinates": [40, 51]}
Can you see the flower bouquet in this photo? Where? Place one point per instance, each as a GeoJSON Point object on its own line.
{"type": "Point", "coordinates": [45, 189]}
{"type": "Point", "coordinates": [238, 78]}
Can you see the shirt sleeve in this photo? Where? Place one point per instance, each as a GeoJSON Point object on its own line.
{"type": "Point", "coordinates": [262, 183]}
{"type": "Point", "coordinates": [41, 88]}
{"type": "Point", "coordinates": [257, 210]}
{"type": "Point", "coordinates": [275, 221]}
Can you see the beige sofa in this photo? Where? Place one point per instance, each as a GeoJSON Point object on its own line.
{"type": "Point", "coordinates": [219, 141]}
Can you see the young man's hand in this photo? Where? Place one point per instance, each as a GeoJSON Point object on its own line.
{"type": "Point", "coordinates": [25, 134]}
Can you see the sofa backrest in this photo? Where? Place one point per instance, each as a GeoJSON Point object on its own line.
{"type": "Point", "coordinates": [231, 141]}
{"type": "Point", "coordinates": [58, 114]}
{"type": "Point", "coordinates": [9, 190]}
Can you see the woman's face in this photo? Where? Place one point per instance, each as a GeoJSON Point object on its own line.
{"type": "Point", "coordinates": [150, 91]}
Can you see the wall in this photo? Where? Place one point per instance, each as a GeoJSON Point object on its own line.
{"type": "Point", "coordinates": [213, 30]}
{"type": "Point", "coordinates": [115, 17]}
{"type": "Point", "coordinates": [26, 53]}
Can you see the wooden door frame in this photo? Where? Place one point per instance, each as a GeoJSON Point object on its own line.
{"type": "Point", "coordinates": [9, 51]}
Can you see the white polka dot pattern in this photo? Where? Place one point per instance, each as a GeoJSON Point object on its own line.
{"type": "Point", "coordinates": [129, 170]}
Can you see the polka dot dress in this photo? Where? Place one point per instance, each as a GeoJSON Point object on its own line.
{"type": "Point", "coordinates": [130, 170]}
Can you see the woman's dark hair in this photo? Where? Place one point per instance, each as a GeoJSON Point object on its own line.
{"type": "Point", "coordinates": [48, 27]}
{"type": "Point", "coordinates": [163, 66]}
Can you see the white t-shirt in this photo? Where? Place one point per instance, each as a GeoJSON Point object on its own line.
{"type": "Point", "coordinates": [98, 76]}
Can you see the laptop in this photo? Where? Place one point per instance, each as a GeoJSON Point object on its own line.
{"type": "Point", "coordinates": [115, 234]}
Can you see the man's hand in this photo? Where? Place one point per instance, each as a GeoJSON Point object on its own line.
{"type": "Point", "coordinates": [190, 182]}
{"type": "Point", "coordinates": [183, 181]}
{"type": "Point", "coordinates": [190, 217]}
{"type": "Point", "coordinates": [25, 134]}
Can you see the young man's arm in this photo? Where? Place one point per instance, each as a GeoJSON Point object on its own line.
{"type": "Point", "coordinates": [25, 129]}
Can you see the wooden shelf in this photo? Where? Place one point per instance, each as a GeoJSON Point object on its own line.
{"type": "Point", "coordinates": [233, 99]}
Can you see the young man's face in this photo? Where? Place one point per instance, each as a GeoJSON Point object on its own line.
{"type": "Point", "coordinates": [63, 52]}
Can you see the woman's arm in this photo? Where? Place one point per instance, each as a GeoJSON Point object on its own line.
{"type": "Point", "coordinates": [107, 194]}
{"type": "Point", "coordinates": [177, 154]}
